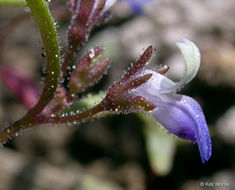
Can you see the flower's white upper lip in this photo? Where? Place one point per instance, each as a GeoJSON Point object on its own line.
{"type": "Point", "coordinates": [192, 59]}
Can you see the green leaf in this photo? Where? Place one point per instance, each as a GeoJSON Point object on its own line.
{"type": "Point", "coordinates": [91, 183]}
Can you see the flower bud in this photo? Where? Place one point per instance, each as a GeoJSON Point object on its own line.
{"type": "Point", "coordinates": [88, 70]}
{"type": "Point", "coordinates": [85, 15]}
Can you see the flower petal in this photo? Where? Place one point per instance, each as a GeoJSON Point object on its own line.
{"type": "Point", "coordinates": [192, 63]}
{"type": "Point", "coordinates": [183, 116]}
{"type": "Point", "coordinates": [192, 59]}
{"type": "Point", "coordinates": [156, 84]}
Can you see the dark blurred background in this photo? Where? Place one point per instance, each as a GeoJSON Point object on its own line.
{"type": "Point", "coordinates": [126, 152]}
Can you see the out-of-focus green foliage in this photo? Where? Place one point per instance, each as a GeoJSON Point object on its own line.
{"type": "Point", "coordinates": [90, 183]}
{"type": "Point", "coordinates": [160, 146]}
{"type": "Point", "coordinates": [85, 103]}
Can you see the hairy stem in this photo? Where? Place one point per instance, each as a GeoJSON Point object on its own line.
{"type": "Point", "coordinates": [90, 113]}
{"type": "Point", "coordinates": [46, 25]}
{"type": "Point", "coordinates": [45, 22]}
{"type": "Point", "coordinates": [28, 122]}
{"type": "Point", "coordinates": [14, 129]}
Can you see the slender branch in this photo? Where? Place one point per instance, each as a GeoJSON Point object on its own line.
{"type": "Point", "coordinates": [73, 117]}
{"type": "Point", "coordinates": [13, 2]}
{"type": "Point", "coordinates": [41, 119]}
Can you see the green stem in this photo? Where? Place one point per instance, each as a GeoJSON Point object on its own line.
{"type": "Point", "coordinates": [47, 27]}
{"type": "Point", "coordinates": [12, 2]}
{"type": "Point", "coordinates": [45, 22]}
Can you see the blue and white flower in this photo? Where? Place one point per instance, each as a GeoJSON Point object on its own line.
{"type": "Point", "coordinates": [179, 114]}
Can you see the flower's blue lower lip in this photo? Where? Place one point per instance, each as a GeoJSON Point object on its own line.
{"type": "Point", "coordinates": [183, 117]}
